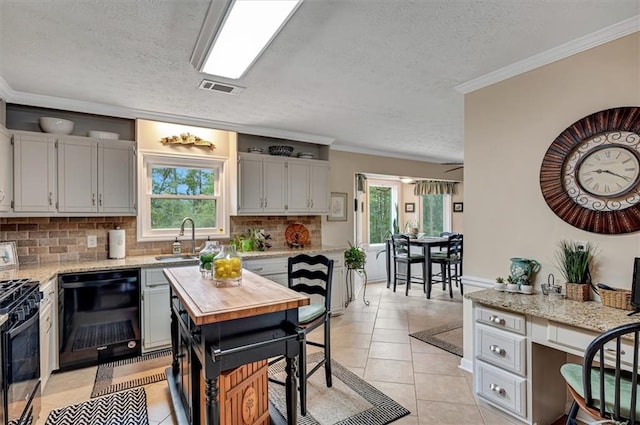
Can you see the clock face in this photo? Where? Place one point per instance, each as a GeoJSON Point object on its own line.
{"type": "Point", "coordinates": [608, 171]}
{"type": "Point", "coordinates": [590, 175]}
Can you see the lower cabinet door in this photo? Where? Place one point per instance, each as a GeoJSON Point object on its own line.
{"type": "Point", "coordinates": [156, 318]}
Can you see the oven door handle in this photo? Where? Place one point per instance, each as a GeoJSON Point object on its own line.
{"type": "Point", "coordinates": [95, 283]}
{"type": "Point", "coordinates": [22, 326]}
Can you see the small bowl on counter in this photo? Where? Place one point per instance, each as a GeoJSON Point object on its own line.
{"type": "Point", "coordinates": [255, 150]}
{"type": "Point", "coordinates": [56, 125]}
{"type": "Point", "coordinates": [305, 155]}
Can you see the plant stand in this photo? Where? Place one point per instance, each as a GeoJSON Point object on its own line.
{"type": "Point", "coordinates": [350, 289]}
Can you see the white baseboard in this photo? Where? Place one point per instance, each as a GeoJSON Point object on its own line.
{"type": "Point", "coordinates": [466, 365]}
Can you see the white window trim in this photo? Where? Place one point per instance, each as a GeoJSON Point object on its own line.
{"type": "Point", "coordinates": [447, 211]}
{"type": "Point", "coordinates": [146, 159]}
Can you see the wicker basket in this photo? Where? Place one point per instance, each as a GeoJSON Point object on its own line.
{"type": "Point", "coordinates": [578, 291]}
{"type": "Point", "coordinates": [620, 298]}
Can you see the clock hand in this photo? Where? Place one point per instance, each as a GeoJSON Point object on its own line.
{"type": "Point", "coordinates": [616, 174]}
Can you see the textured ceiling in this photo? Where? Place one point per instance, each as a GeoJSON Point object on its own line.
{"type": "Point", "coordinates": [375, 75]}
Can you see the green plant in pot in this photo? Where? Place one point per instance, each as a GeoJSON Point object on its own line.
{"type": "Point", "coordinates": [574, 261]}
{"type": "Point", "coordinates": [355, 257]}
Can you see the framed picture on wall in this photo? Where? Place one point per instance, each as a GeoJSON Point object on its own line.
{"type": "Point", "coordinates": [338, 207]}
{"type": "Point", "coordinates": [8, 255]}
{"type": "Point", "coordinates": [457, 207]}
{"type": "Point", "coordinates": [409, 207]}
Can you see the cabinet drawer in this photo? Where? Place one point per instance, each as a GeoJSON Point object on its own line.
{"type": "Point", "coordinates": [500, 319]}
{"type": "Point", "coordinates": [154, 277]}
{"type": "Point", "coordinates": [501, 348]}
{"type": "Point", "coordinates": [501, 388]}
{"type": "Point", "coordinates": [266, 266]}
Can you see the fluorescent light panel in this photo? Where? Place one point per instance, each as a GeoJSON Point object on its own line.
{"type": "Point", "coordinates": [246, 31]}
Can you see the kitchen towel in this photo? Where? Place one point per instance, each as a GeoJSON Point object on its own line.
{"type": "Point", "coordinates": [116, 243]}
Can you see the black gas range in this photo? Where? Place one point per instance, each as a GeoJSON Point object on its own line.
{"type": "Point", "coordinates": [20, 352]}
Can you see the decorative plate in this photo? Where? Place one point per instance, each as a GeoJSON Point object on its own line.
{"type": "Point", "coordinates": [296, 235]}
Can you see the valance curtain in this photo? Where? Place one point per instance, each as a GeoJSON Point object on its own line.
{"type": "Point", "coordinates": [434, 187]}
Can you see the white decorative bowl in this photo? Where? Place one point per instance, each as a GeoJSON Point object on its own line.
{"type": "Point", "coordinates": [56, 125]}
{"type": "Point", "coordinates": [104, 135]}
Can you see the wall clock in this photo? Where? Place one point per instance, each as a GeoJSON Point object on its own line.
{"type": "Point", "coordinates": [590, 175]}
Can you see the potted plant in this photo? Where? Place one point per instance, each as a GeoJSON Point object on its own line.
{"type": "Point", "coordinates": [525, 285]}
{"type": "Point", "coordinates": [513, 285]}
{"type": "Point", "coordinates": [500, 285]}
{"type": "Point", "coordinates": [574, 262]}
{"type": "Point", "coordinates": [355, 257]}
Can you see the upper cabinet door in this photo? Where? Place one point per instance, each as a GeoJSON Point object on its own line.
{"type": "Point", "coordinates": [35, 172]}
{"type": "Point", "coordinates": [6, 170]}
{"type": "Point", "coordinates": [319, 186]}
{"type": "Point", "coordinates": [274, 179]}
{"type": "Point", "coordinates": [116, 177]}
{"type": "Point", "coordinates": [298, 199]}
{"type": "Point", "coordinates": [250, 196]}
{"type": "Point", "coordinates": [77, 175]}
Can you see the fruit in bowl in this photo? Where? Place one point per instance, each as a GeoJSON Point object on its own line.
{"type": "Point", "coordinates": [56, 125]}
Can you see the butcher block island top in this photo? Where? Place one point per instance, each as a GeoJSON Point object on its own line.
{"type": "Point", "coordinates": [207, 303]}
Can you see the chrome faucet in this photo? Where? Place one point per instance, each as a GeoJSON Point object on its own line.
{"type": "Point", "coordinates": [193, 233]}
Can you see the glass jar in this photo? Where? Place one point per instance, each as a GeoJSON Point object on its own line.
{"type": "Point", "coordinates": [206, 257]}
{"type": "Point", "coordinates": [227, 266]}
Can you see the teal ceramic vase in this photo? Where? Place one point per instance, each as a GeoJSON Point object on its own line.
{"type": "Point", "coordinates": [522, 268]}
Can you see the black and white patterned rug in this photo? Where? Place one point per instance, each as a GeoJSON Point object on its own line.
{"type": "Point", "coordinates": [350, 401]}
{"type": "Point", "coordinates": [123, 408]}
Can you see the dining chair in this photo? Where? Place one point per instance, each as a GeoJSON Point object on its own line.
{"type": "Point", "coordinates": [450, 262]}
{"type": "Point", "coordinates": [402, 255]}
{"type": "Point", "coordinates": [600, 386]}
{"type": "Point", "coordinates": [312, 275]}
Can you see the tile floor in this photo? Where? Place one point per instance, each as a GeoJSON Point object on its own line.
{"type": "Point", "coordinates": [373, 342]}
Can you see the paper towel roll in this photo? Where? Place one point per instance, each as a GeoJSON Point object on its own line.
{"type": "Point", "coordinates": [116, 243]}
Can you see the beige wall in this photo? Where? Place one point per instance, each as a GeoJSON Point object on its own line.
{"type": "Point", "coordinates": [344, 166]}
{"type": "Point", "coordinates": [508, 128]}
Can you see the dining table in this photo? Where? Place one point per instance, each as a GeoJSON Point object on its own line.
{"type": "Point", "coordinates": [426, 243]}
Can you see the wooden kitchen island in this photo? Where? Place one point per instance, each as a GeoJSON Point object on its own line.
{"type": "Point", "coordinates": [218, 329]}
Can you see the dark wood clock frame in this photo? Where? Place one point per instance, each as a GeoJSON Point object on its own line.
{"type": "Point", "coordinates": [553, 186]}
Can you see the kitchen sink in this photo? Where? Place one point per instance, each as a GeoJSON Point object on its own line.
{"type": "Point", "coordinates": [176, 257]}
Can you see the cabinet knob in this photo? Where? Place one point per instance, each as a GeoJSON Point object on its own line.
{"type": "Point", "coordinates": [496, 349]}
{"type": "Point", "coordinates": [497, 389]}
{"type": "Point", "coordinates": [100, 199]}
{"type": "Point", "coordinates": [2, 194]}
{"type": "Point", "coordinates": [613, 350]}
{"type": "Point", "coordinates": [50, 198]}
{"type": "Point", "coordinates": [93, 199]}
{"type": "Point", "coordinates": [497, 320]}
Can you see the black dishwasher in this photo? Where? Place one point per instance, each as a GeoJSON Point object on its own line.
{"type": "Point", "coordinates": [99, 317]}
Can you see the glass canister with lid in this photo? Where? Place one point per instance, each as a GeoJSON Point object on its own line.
{"type": "Point", "coordinates": [227, 266]}
{"type": "Point", "coordinates": [207, 254]}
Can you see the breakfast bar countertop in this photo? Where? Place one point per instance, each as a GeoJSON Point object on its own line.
{"type": "Point", "coordinates": [46, 271]}
{"type": "Point", "coordinates": [589, 315]}
{"type": "Point", "coordinates": [208, 303]}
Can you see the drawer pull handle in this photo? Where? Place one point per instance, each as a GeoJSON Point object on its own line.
{"type": "Point", "coordinates": [497, 389]}
{"type": "Point", "coordinates": [256, 269]}
{"type": "Point", "coordinates": [613, 350]}
{"type": "Point", "coordinates": [499, 351]}
{"type": "Point", "coordinates": [496, 319]}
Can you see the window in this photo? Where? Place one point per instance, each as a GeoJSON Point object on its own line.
{"type": "Point", "coordinates": [436, 214]}
{"type": "Point", "coordinates": [179, 187]}
{"type": "Point", "coordinates": [383, 214]}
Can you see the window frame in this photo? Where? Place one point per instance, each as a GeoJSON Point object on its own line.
{"type": "Point", "coordinates": [446, 212]}
{"type": "Point", "coordinates": [149, 159]}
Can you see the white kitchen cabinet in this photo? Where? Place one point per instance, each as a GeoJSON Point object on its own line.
{"type": "Point", "coordinates": [261, 184]}
{"type": "Point", "coordinates": [96, 176]}
{"type": "Point", "coordinates": [281, 185]}
{"type": "Point", "coordinates": [156, 313]}
{"type": "Point", "coordinates": [308, 186]}
{"type": "Point", "coordinates": [6, 170]}
{"type": "Point", "coordinates": [34, 172]}
{"type": "Point", "coordinates": [276, 269]}
{"type": "Point", "coordinates": [48, 326]}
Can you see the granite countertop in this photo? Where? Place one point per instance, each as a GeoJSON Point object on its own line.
{"type": "Point", "coordinates": [590, 315]}
{"type": "Point", "coordinates": [46, 271]}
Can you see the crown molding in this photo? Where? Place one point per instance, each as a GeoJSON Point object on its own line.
{"type": "Point", "coordinates": [30, 99]}
{"type": "Point", "coordinates": [389, 154]}
{"type": "Point", "coordinates": [597, 38]}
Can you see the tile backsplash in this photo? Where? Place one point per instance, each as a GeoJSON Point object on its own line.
{"type": "Point", "coordinates": [46, 239]}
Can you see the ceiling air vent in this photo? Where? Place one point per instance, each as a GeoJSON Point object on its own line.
{"type": "Point", "coordinates": [220, 87]}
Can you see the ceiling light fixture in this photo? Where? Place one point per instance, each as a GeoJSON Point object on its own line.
{"type": "Point", "coordinates": [233, 37]}
{"type": "Point", "coordinates": [406, 180]}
